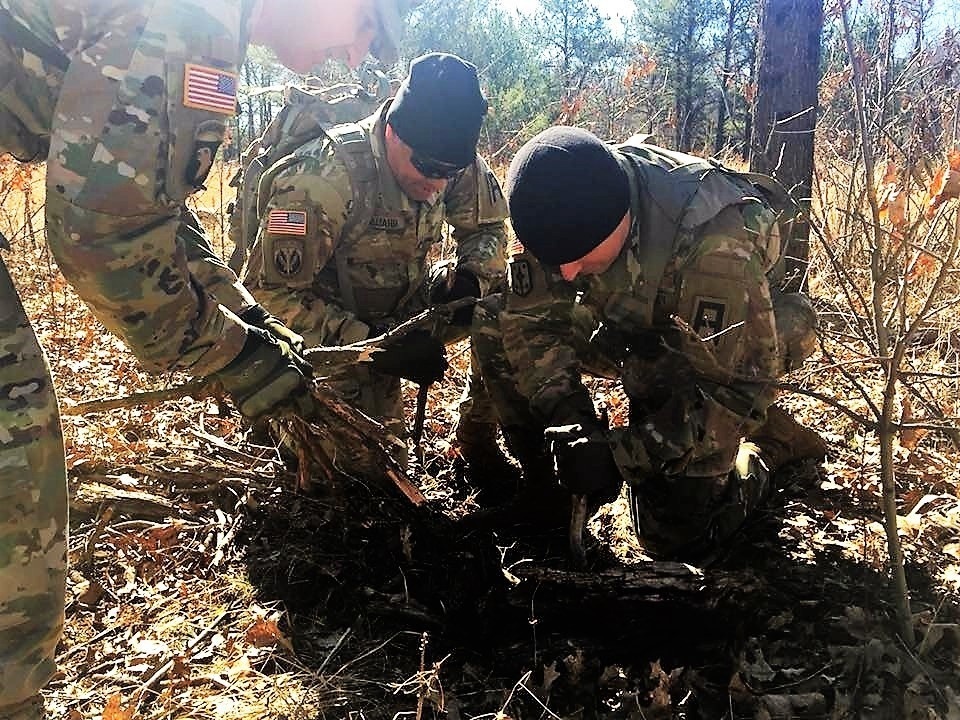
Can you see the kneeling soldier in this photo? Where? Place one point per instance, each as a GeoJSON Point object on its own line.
{"type": "Point", "coordinates": [349, 218]}
{"type": "Point", "coordinates": [647, 266]}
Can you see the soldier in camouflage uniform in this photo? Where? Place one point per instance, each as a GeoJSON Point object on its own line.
{"type": "Point", "coordinates": [128, 103]}
{"type": "Point", "coordinates": [619, 242]}
{"type": "Point", "coordinates": [349, 217]}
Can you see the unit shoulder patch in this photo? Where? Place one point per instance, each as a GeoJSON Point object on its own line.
{"type": "Point", "coordinates": [521, 276]}
{"type": "Point", "coordinates": [709, 316]}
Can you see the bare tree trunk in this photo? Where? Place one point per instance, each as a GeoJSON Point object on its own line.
{"type": "Point", "coordinates": [751, 83]}
{"type": "Point", "coordinates": [785, 111]}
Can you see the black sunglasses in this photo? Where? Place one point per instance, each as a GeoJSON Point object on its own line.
{"type": "Point", "coordinates": [434, 169]}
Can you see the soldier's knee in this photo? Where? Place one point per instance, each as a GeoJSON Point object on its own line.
{"type": "Point", "coordinates": [684, 517]}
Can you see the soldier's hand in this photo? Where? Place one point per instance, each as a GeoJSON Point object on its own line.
{"type": "Point", "coordinates": [447, 283]}
{"type": "Point", "coordinates": [585, 464]}
{"type": "Point", "coordinates": [268, 377]}
{"type": "Point", "coordinates": [259, 317]}
{"type": "Point", "coordinates": [416, 356]}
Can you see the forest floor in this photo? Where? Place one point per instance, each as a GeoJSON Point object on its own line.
{"type": "Point", "coordinates": [201, 584]}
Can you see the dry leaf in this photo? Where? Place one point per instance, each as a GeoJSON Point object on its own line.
{"type": "Point", "coordinates": [909, 437]}
{"type": "Point", "coordinates": [897, 208]}
{"type": "Point", "coordinates": [113, 711]}
{"type": "Point", "coordinates": [945, 184]}
{"type": "Point", "coordinates": [264, 633]}
{"type": "Point", "coordinates": [893, 206]}
{"type": "Point", "coordinates": [924, 266]}
{"type": "Point", "coordinates": [890, 173]}
{"type": "Point", "coordinates": [165, 536]}
{"type": "Point", "coordinates": [241, 668]}
{"type": "Point", "coordinates": [91, 594]}
{"type": "Point", "coordinates": [181, 668]}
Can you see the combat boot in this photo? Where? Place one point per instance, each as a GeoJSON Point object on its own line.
{"type": "Point", "coordinates": [29, 709]}
{"type": "Point", "coordinates": [782, 440]}
{"type": "Point", "coordinates": [495, 477]}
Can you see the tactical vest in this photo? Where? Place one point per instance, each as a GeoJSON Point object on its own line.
{"type": "Point", "coordinates": [307, 114]}
{"type": "Point", "coordinates": [672, 194]}
{"type": "Point", "coordinates": [352, 146]}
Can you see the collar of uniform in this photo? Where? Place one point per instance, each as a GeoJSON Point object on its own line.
{"type": "Point", "coordinates": [393, 195]}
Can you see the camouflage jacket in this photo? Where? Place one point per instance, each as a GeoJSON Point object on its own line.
{"type": "Point", "coordinates": [699, 247]}
{"type": "Point", "coordinates": [128, 102]}
{"type": "Point", "coordinates": [341, 248]}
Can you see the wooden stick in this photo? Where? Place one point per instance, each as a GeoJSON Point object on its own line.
{"type": "Point", "coordinates": [195, 388]}
{"type": "Point", "coordinates": [325, 361]}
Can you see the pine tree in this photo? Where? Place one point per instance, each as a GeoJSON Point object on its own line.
{"type": "Point", "coordinates": [679, 34]}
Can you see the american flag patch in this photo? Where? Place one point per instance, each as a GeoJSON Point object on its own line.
{"type": "Point", "coordinates": [287, 222]}
{"type": "Point", "coordinates": [206, 88]}
{"type": "Point", "coordinates": [514, 247]}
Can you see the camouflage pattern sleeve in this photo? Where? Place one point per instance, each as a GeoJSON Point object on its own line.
{"type": "Point", "coordinates": [142, 111]}
{"type": "Point", "coordinates": [540, 325]}
{"type": "Point", "coordinates": [476, 209]}
{"type": "Point", "coordinates": [304, 208]}
{"type": "Point", "coordinates": [725, 296]}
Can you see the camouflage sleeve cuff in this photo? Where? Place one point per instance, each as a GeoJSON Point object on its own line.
{"type": "Point", "coordinates": [221, 353]}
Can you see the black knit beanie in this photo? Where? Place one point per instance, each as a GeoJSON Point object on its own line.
{"type": "Point", "coordinates": [567, 193]}
{"type": "Point", "coordinates": [439, 108]}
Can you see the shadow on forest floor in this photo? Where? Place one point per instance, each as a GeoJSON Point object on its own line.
{"type": "Point", "coordinates": [769, 629]}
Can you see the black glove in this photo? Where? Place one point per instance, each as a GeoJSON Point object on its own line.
{"type": "Point", "coordinates": [416, 356]}
{"type": "Point", "coordinates": [585, 464]}
{"type": "Point", "coordinates": [447, 285]}
{"type": "Point", "coordinates": [267, 377]}
{"type": "Point", "coordinates": [259, 317]}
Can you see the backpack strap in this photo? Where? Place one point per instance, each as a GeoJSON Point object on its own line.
{"type": "Point", "coordinates": [352, 146]}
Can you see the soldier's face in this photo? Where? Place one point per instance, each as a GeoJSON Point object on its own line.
{"type": "Point", "coordinates": [415, 185]}
{"type": "Point", "coordinates": [602, 256]}
{"type": "Point", "coordinates": [305, 34]}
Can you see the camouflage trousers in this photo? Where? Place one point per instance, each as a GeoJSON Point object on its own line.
{"type": "Point", "coordinates": [33, 508]}
{"type": "Point", "coordinates": [689, 488]}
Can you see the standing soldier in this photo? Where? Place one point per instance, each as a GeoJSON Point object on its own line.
{"type": "Point", "coordinates": [349, 217]}
{"type": "Point", "coordinates": [128, 103]}
{"type": "Point", "coordinates": [619, 243]}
